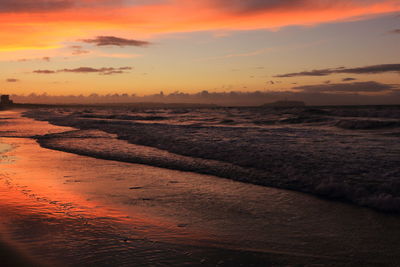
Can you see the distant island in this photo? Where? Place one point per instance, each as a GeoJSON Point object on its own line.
{"type": "Point", "coordinates": [285, 103]}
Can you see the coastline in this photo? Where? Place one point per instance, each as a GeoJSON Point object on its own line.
{"type": "Point", "coordinates": [311, 158]}
{"type": "Point", "coordinates": [65, 205]}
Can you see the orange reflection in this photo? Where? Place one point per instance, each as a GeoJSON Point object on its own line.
{"type": "Point", "coordinates": [74, 190]}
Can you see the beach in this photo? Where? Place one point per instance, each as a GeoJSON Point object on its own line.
{"type": "Point", "coordinates": [65, 209]}
{"type": "Point", "coordinates": [215, 133]}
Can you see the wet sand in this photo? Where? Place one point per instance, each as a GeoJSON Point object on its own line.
{"type": "Point", "coordinates": [10, 256]}
{"type": "Point", "coordinates": [67, 209]}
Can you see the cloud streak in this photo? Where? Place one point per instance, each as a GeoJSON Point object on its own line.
{"type": "Point", "coordinates": [47, 59]}
{"type": "Point", "coordinates": [101, 71]}
{"type": "Point", "coordinates": [44, 71]}
{"type": "Point", "coordinates": [12, 80]}
{"type": "Point", "coordinates": [349, 79]}
{"type": "Point", "coordinates": [78, 50]}
{"type": "Point", "coordinates": [374, 69]}
{"type": "Point", "coordinates": [115, 41]}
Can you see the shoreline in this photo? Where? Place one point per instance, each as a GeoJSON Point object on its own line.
{"type": "Point", "coordinates": [299, 168]}
{"type": "Point", "coordinates": [83, 208]}
{"type": "Point", "coordinates": [200, 166]}
{"type": "Point", "coordinates": [213, 251]}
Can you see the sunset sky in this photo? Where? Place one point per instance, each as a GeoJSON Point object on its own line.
{"type": "Point", "coordinates": [64, 47]}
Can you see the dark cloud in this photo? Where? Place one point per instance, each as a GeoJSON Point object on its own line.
{"type": "Point", "coordinates": [12, 80]}
{"type": "Point", "coordinates": [34, 5]}
{"type": "Point", "coordinates": [19, 6]}
{"type": "Point", "coordinates": [372, 69]}
{"type": "Point", "coordinates": [361, 70]}
{"type": "Point", "coordinates": [349, 79]}
{"type": "Point", "coordinates": [101, 71]}
{"type": "Point", "coordinates": [321, 72]}
{"type": "Point", "coordinates": [397, 31]}
{"type": "Point", "coordinates": [356, 87]}
{"type": "Point", "coordinates": [254, 6]}
{"type": "Point", "coordinates": [115, 41]}
{"type": "Point", "coordinates": [247, 6]}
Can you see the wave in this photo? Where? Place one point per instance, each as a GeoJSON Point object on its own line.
{"type": "Point", "coordinates": [98, 144]}
{"type": "Point", "coordinates": [124, 117]}
{"type": "Point", "coordinates": [363, 168]}
{"type": "Point", "coordinates": [102, 145]}
{"type": "Point", "coordinates": [367, 124]}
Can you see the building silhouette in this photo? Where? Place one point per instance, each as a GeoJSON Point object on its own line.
{"type": "Point", "coordinates": [5, 100]}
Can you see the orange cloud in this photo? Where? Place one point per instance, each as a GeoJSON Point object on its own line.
{"type": "Point", "coordinates": [41, 27]}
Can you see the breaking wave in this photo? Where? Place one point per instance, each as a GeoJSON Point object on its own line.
{"type": "Point", "coordinates": [367, 124]}
{"type": "Point", "coordinates": [298, 149]}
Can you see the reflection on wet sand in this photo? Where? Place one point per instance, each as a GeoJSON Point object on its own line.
{"type": "Point", "coordinates": [74, 210]}
{"type": "Point", "coordinates": [69, 209]}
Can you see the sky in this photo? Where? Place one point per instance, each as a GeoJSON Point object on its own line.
{"type": "Point", "coordinates": [72, 47]}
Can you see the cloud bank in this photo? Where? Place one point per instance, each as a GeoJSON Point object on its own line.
{"type": "Point", "coordinates": [233, 98]}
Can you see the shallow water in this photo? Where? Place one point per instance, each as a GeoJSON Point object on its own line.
{"type": "Point", "coordinates": [74, 210]}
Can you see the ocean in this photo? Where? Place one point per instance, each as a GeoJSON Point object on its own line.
{"type": "Point", "coordinates": [346, 153]}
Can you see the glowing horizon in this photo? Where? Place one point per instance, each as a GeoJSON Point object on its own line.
{"type": "Point", "coordinates": [99, 46]}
